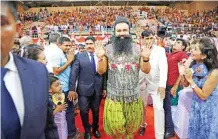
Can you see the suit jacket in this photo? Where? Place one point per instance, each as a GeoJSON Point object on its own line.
{"type": "Point", "coordinates": [88, 81]}
{"type": "Point", "coordinates": [35, 86]}
{"type": "Point", "coordinates": [157, 77]}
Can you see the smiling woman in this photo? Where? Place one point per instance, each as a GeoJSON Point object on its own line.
{"type": "Point", "coordinates": [204, 82]}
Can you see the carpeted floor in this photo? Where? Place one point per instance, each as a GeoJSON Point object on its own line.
{"type": "Point", "coordinates": [149, 131]}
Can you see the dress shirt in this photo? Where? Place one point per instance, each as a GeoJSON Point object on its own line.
{"type": "Point", "coordinates": [13, 84]}
{"type": "Point", "coordinates": [157, 77]}
{"type": "Point", "coordinates": [51, 51]}
{"type": "Point", "coordinates": [96, 60]}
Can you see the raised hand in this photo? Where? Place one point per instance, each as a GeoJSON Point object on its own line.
{"type": "Point", "coordinates": [188, 62]}
{"type": "Point", "coordinates": [99, 49]}
{"type": "Point", "coordinates": [99, 44]}
{"type": "Point", "coordinates": [188, 74]}
{"type": "Point", "coordinates": [181, 68]}
{"type": "Point", "coordinates": [70, 55]}
{"type": "Point", "coordinates": [146, 47]}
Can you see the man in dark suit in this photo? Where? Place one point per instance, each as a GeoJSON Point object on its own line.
{"type": "Point", "coordinates": [24, 86]}
{"type": "Point", "coordinates": [89, 86]}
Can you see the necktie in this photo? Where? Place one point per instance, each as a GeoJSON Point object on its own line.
{"type": "Point", "coordinates": [9, 116]}
{"type": "Point", "coordinates": [93, 62]}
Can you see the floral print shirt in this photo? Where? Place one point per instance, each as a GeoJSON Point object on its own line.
{"type": "Point", "coordinates": [123, 75]}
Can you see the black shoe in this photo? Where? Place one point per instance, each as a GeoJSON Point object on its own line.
{"type": "Point", "coordinates": [96, 133]}
{"type": "Point", "coordinates": [141, 131]}
{"type": "Point", "coordinates": [87, 135]}
{"type": "Point", "coordinates": [169, 135]}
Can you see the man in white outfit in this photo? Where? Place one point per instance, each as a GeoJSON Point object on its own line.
{"type": "Point", "coordinates": [51, 50]}
{"type": "Point", "coordinates": [154, 83]}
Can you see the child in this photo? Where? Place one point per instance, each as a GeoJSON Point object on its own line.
{"type": "Point", "coordinates": [59, 106]}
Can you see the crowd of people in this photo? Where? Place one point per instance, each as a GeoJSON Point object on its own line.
{"type": "Point", "coordinates": [42, 84]}
{"type": "Point", "coordinates": [79, 19]}
{"type": "Point", "coordinates": [101, 19]}
{"type": "Point", "coordinates": [200, 21]}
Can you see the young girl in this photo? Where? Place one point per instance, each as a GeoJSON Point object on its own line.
{"type": "Point", "coordinates": [59, 106]}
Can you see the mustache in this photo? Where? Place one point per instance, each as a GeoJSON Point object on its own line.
{"type": "Point", "coordinates": [123, 36]}
{"type": "Point", "coordinates": [87, 47]}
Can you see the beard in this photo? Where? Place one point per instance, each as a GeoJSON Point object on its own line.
{"type": "Point", "coordinates": [122, 44]}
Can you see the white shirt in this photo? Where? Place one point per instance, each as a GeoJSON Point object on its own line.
{"type": "Point", "coordinates": [50, 51]}
{"type": "Point", "coordinates": [157, 77]}
{"type": "Point", "coordinates": [13, 84]}
{"type": "Point", "coordinates": [96, 60]}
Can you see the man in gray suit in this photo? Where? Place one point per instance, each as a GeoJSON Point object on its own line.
{"type": "Point", "coordinates": [89, 86]}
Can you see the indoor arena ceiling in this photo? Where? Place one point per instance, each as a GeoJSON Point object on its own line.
{"type": "Point", "coordinates": [65, 3]}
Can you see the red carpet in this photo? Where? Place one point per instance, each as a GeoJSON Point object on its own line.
{"type": "Point", "coordinates": [149, 131]}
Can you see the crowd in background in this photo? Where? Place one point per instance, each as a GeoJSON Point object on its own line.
{"type": "Point", "coordinates": [194, 92]}
{"type": "Point", "coordinates": [197, 21]}
{"type": "Point", "coordinates": [101, 19]}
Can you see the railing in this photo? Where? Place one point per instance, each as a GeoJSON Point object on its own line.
{"type": "Point", "coordinates": [36, 34]}
{"type": "Point", "coordinates": [110, 31]}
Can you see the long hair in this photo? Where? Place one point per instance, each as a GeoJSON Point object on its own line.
{"type": "Point", "coordinates": [209, 49]}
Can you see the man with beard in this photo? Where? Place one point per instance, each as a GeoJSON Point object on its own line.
{"type": "Point", "coordinates": [123, 106]}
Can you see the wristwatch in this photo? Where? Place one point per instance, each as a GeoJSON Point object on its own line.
{"type": "Point", "coordinates": [193, 86]}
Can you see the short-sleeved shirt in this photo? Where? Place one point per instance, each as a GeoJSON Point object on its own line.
{"type": "Point", "coordinates": [123, 75]}
{"type": "Point", "coordinates": [58, 60]}
{"type": "Point", "coordinates": [173, 71]}
{"type": "Point", "coordinates": [49, 51]}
